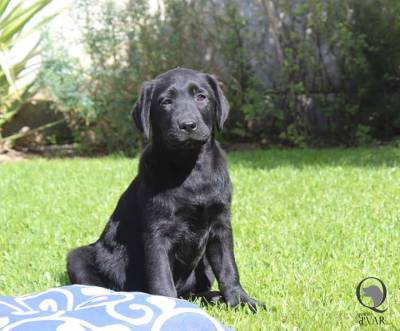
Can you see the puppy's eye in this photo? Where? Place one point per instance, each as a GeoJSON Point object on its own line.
{"type": "Point", "coordinates": [200, 97]}
{"type": "Point", "coordinates": [166, 102]}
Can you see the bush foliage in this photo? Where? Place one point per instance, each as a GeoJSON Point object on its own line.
{"type": "Point", "coordinates": [296, 73]}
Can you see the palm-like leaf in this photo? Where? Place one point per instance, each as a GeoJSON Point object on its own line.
{"type": "Point", "coordinates": [14, 18]}
{"type": "Point", "coordinates": [12, 23]}
{"type": "Point", "coordinates": [3, 6]}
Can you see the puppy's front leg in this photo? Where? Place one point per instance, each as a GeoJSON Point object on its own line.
{"type": "Point", "coordinates": [157, 266]}
{"type": "Point", "coordinates": [222, 260]}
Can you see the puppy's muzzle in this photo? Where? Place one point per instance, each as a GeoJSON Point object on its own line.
{"type": "Point", "coordinates": [188, 126]}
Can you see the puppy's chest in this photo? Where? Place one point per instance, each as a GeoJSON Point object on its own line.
{"type": "Point", "coordinates": [191, 234]}
{"type": "Point", "coordinates": [203, 189]}
{"type": "Point", "coordinates": [198, 201]}
{"type": "Point", "coordinates": [192, 220]}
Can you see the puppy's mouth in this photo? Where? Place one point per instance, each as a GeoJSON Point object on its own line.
{"type": "Point", "coordinates": [187, 141]}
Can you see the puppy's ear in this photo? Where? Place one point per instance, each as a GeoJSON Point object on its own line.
{"type": "Point", "coordinates": [222, 105]}
{"type": "Point", "coordinates": [141, 109]}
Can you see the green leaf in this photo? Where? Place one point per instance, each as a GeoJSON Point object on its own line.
{"type": "Point", "coordinates": [13, 29]}
{"type": "Point", "coordinates": [18, 18]}
{"type": "Point", "coordinates": [3, 6]}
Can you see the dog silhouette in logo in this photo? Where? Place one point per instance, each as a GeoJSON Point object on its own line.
{"type": "Point", "coordinates": [375, 293]}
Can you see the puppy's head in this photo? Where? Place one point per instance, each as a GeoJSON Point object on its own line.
{"type": "Point", "coordinates": [180, 108]}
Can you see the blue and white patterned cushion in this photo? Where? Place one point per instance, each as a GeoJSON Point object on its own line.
{"type": "Point", "coordinates": [81, 308]}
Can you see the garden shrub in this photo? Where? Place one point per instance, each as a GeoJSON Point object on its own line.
{"type": "Point", "coordinates": [307, 73]}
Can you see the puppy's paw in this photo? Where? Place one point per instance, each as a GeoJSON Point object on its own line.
{"type": "Point", "coordinates": [213, 297]}
{"type": "Point", "coordinates": [207, 297]}
{"type": "Point", "coordinates": [238, 297]}
{"type": "Point", "coordinates": [254, 305]}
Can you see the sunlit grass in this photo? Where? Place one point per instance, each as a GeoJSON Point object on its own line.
{"type": "Point", "coordinates": [308, 226]}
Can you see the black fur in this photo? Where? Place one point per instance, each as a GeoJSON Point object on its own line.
{"type": "Point", "coordinates": [170, 232]}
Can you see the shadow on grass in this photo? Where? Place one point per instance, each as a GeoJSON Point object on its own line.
{"type": "Point", "coordinates": [62, 278]}
{"type": "Point", "coordinates": [300, 158]}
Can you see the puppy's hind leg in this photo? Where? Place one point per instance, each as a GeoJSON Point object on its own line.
{"type": "Point", "coordinates": [81, 267]}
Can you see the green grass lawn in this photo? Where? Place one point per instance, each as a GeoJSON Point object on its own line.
{"type": "Point", "coordinates": [309, 225]}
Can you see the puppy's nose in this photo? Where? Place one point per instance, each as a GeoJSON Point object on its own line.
{"type": "Point", "coordinates": [188, 126]}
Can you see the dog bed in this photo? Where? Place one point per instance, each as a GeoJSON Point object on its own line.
{"type": "Point", "coordinates": [81, 308]}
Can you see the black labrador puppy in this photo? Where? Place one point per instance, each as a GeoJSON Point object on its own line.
{"type": "Point", "coordinates": [170, 233]}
